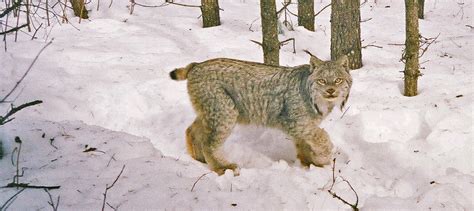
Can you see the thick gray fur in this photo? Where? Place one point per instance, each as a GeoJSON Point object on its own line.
{"type": "Point", "coordinates": [225, 92]}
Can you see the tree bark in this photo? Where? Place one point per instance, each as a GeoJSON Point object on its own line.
{"type": "Point", "coordinates": [306, 14]}
{"type": "Point", "coordinates": [210, 13]}
{"type": "Point", "coordinates": [421, 9]}
{"type": "Point", "coordinates": [79, 8]}
{"type": "Point", "coordinates": [345, 31]}
{"type": "Point", "coordinates": [412, 45]}
{"type": "Point", "coordinates": [270, 44]}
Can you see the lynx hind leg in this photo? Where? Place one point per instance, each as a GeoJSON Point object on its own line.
{"type": "Point", "coordinates": [194, 140]}
{"type": "Point", "coordinates": [313, 146]}
{"type": "Point", "coordinates": [219, 118]}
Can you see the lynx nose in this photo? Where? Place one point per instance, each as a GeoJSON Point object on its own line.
{"type": "Point", "coordinates": [330, 91]}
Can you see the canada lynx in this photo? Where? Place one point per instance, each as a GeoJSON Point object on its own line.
{"type": "Point", "coordinates": [225, 92]}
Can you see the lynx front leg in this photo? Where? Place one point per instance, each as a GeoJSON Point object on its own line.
{"type": "Point", "coordinates": [313, 145]}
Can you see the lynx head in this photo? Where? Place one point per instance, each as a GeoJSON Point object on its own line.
{"type": "Point", "coordinates": [330, 81]}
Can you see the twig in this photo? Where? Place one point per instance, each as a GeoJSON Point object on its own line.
{"type": "Point", "coordinates": [256, 42]}
{"type": "Point", "coordinates": [287, 40]}
{"type": "Point", "coordinates": [184, 5]}
{"type": "Point", "coordinates": [51, 202]}
{"type": "Point", "coordinates": [16, 178]}
{"type": "Point", "coordinates": [107, 187]}
{"type": "Point", "coordinates": [111, 158]}
{"type": "Point", "coordinates": [9, 9]}
{"type": "Point", "coordinates": [352, 188]}
{"type": "Point", "coordinates": [250, 27]}
{"type": "Point", "coordinates": [371, 45]}
{"type": "Point", "coordinates": [5, 119]}
{"type": "Point", "coordinates": [426, 42]}
{"type": "Point", "coordinates": [353, 206]}
{"type": "Point", "coordinates": [27, 71]}
{"type": "Point", "coordinates": [13, 29]}
{"type": "Point", "coordinates": [471, 27]}
{"type": "Point", "coordinates": [114, 208]}
{"type": "Point", "coordinates": [192, 188]}
{"type": "Point", "coordinates": [320, 11]}
{"type": "Point", "coordinates": [310, 54]}
{"type": "Point", "coordinates": [285, 5]}
{"type": "Point", "coordinates": [51, 140]}
{"type": "Point", "coordinates": [26, 185]}
{"type": "Point", "coordinates": [36, 30]}
{"type": "Point", "coordinates": [345, 112]}
{"type": "Point", "coordinates": [11, 200]}
{"type": "Point", "coordinates": [143, 5]}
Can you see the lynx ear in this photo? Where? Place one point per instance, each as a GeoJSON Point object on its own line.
{"type": "Point", "coordinates": [343, 61]}
{"type": "Point", "coordinates": [313, 60]}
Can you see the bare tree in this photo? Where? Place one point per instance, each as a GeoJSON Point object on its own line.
{"type": "Point", "coordinates": [79, 8]}
{"type": "Point", "coordinates": [306, 14]}
{"type": "Point", "coordinates": [210, 13]}
{"type": "Point", "coordinates": [270, 44]}
{"type": "Point", "coordinates": [345, 31]}
{"type": "Point", "coordinates": [412, 45]}
{"type": "Point", "coordinates": [421, 9]}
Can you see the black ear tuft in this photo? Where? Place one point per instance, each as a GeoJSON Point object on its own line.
{"type": "Point", "coordinates": [313, 60]}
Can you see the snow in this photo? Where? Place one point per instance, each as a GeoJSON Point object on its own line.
{"type": "Point", "coordinates": [107, 86]}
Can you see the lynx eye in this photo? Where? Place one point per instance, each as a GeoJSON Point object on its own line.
{"type": "Point", "coordinates": [321, 82]}
{"type": "Point", "coordinates": [338, 80]}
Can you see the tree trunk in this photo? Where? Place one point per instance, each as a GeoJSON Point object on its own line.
{"type": "Point", "coordinates": [306, 14]}
{"type": "Point", "coordinates": [412, 45]}
{"type": "Point", "coordinates": [210, 13]}
{"type": "Point", "coordinates": [270, 44]}
{"type": "Point", "coordinates": [345, 31]}
{"type": "Point", "coordinates": [79, 8]}
{"type": "Point", "coordinates": [421, 9]}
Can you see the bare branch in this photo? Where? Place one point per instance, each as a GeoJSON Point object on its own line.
{"type": "Point", "coordinates": [256, 42]}
{"type": "Point", "coordinates": [371, 45]}
{"type": "Point", "coordinates": [192, 188]}
{"type": "Point", "coordinates": [352, 188]}
{"type": "Point", "coordinates": [144, 5]}
{"type": "Point", "coordinates": [425, 44]}
{"type": "Point", "coordinates": [107, 188]}
{"type": "Point", "coordinates": [320, 11]}
{"type": "Point", "coordinates": [285, 5]}
{"type": "Point", "coordinates": [51, 202]}
{"type": "Point", "coordinates": [330, 191]}
{"type": "Point", "coordinates": [287, 40]}
{"type": "Point", "coordinates": [306, 51]}
{"type": "Point", "coordinates": [11, 199]}
{"type": "Point", "coordinates": [5, 119]}
{"type": "Point", "coordinates": [26, 185]}
{"type": "Point", "coordinates": [250, 27]}
{"type": "Point", "coordinates": [13, 29]}
{"type": "Point", "coordinates": [184, 5]}
{"type": "Point", "coordinates": [8, 10]}
{"type": "Point", "coordinates": [27, 71]}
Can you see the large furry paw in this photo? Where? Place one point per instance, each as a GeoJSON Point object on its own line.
{"type": "Point", "coordinates": [221, 169]}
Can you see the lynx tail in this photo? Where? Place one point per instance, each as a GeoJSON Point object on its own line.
{"type": "Point", "coordinates": [180, 74]}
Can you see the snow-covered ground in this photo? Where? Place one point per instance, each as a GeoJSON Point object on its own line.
{"type": "Point", "coordinates": [107, 87]}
